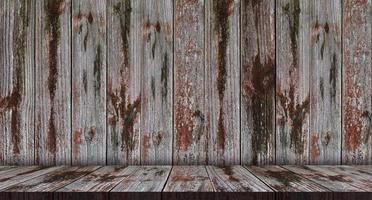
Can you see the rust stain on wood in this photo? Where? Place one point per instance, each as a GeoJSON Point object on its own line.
{"type": "Point", "coordinates": [292, 11]}
{"type": "Point", "coordinates": [221, 10]}
{"type": "Point", "coordinates": [315, 151]}
{"type": "Point", "coordinates": [181, 178]}
{"type": "Point", "coordinates": [228, 171]}
{"type": "Point", "coordinates": [123, 10]}
{"type": "Point", "coordinates": [296, 113]}
{"type": "Point", "coordinates": [146, 146]}
{"type": "Point", "coordinates": [53, 9]}
{"type": "Point", "coordinates": [260, 88]}
{"type": "Point", "coordinates": [127, 112]}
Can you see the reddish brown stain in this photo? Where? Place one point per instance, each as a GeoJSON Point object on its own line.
{"type": "Point", "coordinates": [182, 178]}
{"type": "Point", "coordinates": [54, 9]}
{"type": "Point", "coordinates": [63, 176]}
{"type": "Point", "coordinates": [159, 137]}
{"type": "Point", "coordinates": [315, 151]}
{"type": "Point", "coordinates": [221, 10]}
{"type": "Point", "coordinates": [123, 10]}
{"type": "Point", "coordinates": [184, 126]}
{"type": "Point", "coordinates": [127, 112]}
{"type": "Point", "coordinates": [76, 139]}
{"type": "Point", "coordinates": [353, 127]}
{"type": "Point", "coordinates": [297, 114]}
{"type": "Point", "coordinates": [285, 177]}
{"type": "Point", "coordinates": [228, 171]}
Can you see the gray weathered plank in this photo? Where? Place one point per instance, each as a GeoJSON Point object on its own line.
{"type": "Point", "coordinates": [325, 80]}
{"type": "Point", "coordinates": [124, 81]}
{"type": "Point", "coordinates": [17, 82]}
{"type": "Point", "coordinates": [89, 82]}
{"type": "Point", "coordinates": [190, 143]}
{"type": "Point", "coordinates": [52, 181]}
{"type": "Point", "coordinates": [258, 82]}
{"type": "Point", "coordinates": [283, 180]}
{"type": "Point", "coordinates": [156, 81]}
{"type": "Point", "coordinates": [235, 179]}
{"type": "Point", "coordinates": [329, 179]}
{"type": "Point", "coordinates": [23, 174]}
{"type": "Point", "coordinates": [189, 179]}
{"type": "Point", "coordinates": [53, 82]}
{"type": "Point", "coordinates": [222, 72]}
{"type": "Point", "coordinates": [6, 169]}
{"type": "Point", "coordinates": [144, 179]}
{"type": "Point", "coordinates": [292, 85]}
{"type": "Point", "coordinates": [357, 79]}
{"type": "Point", "coordinates": [359, 178]}
{"type": "Point", "coordinates": [366, 168]}
{"type": "Point", "coordinates": [101, 180]}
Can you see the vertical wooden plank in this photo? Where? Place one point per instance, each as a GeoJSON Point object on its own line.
{"type": "Point", "coordinates": [89, 82]}
{"type": "Point", "coordinates": [325, 80]}
{"type": "Point", "coordinates": [124, 79]}
{"type": "Point", "coordinates": [292, 83]}
{"type": "Point", "coordinates": [16, 82]}
{"type": "Point", "coordinates": [52, 81]}
{"type": "Point", "coordinates": [156, 81]}
{"type": "Point", "coordinates": [190, 120]}
{"type": "Point", "coordinates": [357, 79]}
{"type": "Point", "coordinates": [222, 72]}
{"type": "Point", "coordinates": [258, 82]}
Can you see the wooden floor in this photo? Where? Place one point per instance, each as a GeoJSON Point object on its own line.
{"type": "Point", "coordinates": [186, 182]}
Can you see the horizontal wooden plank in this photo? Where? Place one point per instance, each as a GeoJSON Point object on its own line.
{"type": "Point", "coordinates": [144, 179]}
{"type": "Point", "coordinates": [23, 174]}
{"type": "Point", "coordinates": [327, 178]}
{"type": "Point", "coordinates": [283, 180]}
{"type": "Point", "coordinates": [189, 179]}
{"type": "Point", "coordinates": [235, 179]}
{"type": "Point", "coordinates": [52, 181]}
{"type": "Point", "coordinates": [101, 180]}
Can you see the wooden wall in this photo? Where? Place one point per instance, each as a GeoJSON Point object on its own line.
{"type": "Point", "coordinates": [185, 82]}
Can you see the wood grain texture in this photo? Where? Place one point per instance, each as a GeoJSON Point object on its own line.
{"type": "Point", "coordinates": [101, 180]}
{"type": "Point", "coordinates": [283, 180]}
{"type": "Point", "coordinates": [89, 82]}
{"type": "Point", "coordinates": [292, 81]}
{"type": "Point", "coordinates": [357, 79]}
{"type": "Point", "coordinates": [17, 82]}
{"type": "Point", "coordinates": [23, 174]}
{"type": "Point", "coordinates": [325, 81]}
{"type": "Point", "coordinates": [190, 143]}
{"type": "Point", "coordinates": [124, 81]}
{"type": "Point", "coordinates": [189, 179]}
{"type": "Point", "coordinates": [258, 82]}
{"type": "Point", "coordinates": [53, 82]}
{"type": "Point", "coordinates": [329, 179]}
{"type": "Point", "coordinates": [222, 71]}
{"type": "Point", "coordinates": [156, 81]}
{"type": "Point", "coordinates": [52, 181]}
{"type": "Point", "coordinates": [235, 179]}
{"type": "Point", "coordinates": [144, 179]}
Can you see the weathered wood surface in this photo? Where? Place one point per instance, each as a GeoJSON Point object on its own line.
{"type": "Point", "coordinates": [144, 179]}
{"type": "Point", "coordinates": [327, 178]}
{"type": "Point", "coordinates": [289, 185]}
{"type": "Point", "coordinates": [52, 181]}
{"type": "Point", "coordinates": [124, 81]}
{"type": "Point", "coordinates": [101, 180]}
{"type": "Point", "coordinates": [6, 169]}
{"type": "Point", "coordinates": [23, 174]}
{"type": "Point", "coordinates": [283, 180]}
{"type": "Point", "coordinates": [53, 82]}
{"type": "Point", "coordinates": [357, 79]}
{"type": "Point", "coordinates": [292, 85]}
{"type": "Point", "coordinates": [258, 82]}
{"type": "Point", "coordinates": [17, 89]}
{"type": "Point", "coordinates": [190, 144]}
{"type": "Point", "coordinates": [235, 179]}
{"type": "Point", "coordinates": [156, 81]}
{"type": "Point", "coordinates": [89, 82]}
{"type": "Point", "coordinates": [189, 179]}
{"type": "Point", "coordinates": [325, 81]}
{"type": "Point", "coordinates": [222, 71]}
